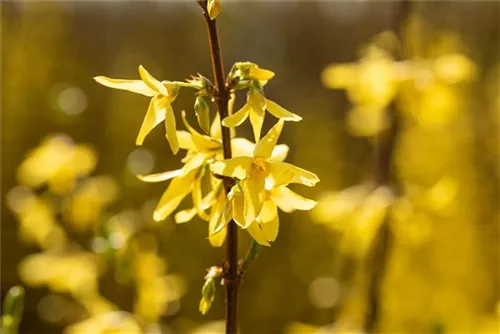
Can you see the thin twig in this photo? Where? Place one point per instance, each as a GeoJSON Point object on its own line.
{"type": "Point", "coordinates": [385, 176]}
{"type": "Point", "coordinates": [231, 277]}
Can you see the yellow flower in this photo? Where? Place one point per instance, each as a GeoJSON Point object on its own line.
{"type": "Point", "coordinates": [260, 172]}
{"type": "Point", "coordinates": [255, 109]}
{"type": "Point", "coordinates": [264, 229]}
{"type": "Point", "coordinates": [201, 151]}
{"type": "Point", "coordinates": [162, 95]}
{"type": "Point", "coordinates": [250, 71]}
{"type": "Point", "coordinates": [249, 75]}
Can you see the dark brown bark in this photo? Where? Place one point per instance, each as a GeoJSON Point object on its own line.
{"type": "Point", "coordinates": [231, 277]}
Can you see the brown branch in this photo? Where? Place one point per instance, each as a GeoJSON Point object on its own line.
{"type": "Point", "coordinates": [385, 176]}
{"type": "Point", "coordinates": [231, 277]}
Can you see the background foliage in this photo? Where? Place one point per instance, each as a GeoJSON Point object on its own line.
{"type": "Point", "coordinates": [443, 272]}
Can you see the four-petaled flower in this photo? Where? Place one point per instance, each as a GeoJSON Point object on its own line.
{"type": "Point", "coordinates": [162, 95]}
{"type": "Point", "coordinates": [259, 174]}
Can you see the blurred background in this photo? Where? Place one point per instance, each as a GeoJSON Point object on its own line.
{"type": "Point", "coordinates": [78, 187]}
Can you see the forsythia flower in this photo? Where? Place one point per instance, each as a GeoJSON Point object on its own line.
{"type": "Point", "coordinates": [162, 95]}
{"type": "Point", "coordinates": [265, 227]}
{"type": "Point", "coordinates": [201, 151]}
{"type": "Point", "coordinates": [257, 176]}
{"type": "Point", "coordinates": [256, 104]}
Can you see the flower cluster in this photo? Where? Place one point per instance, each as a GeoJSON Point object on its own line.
{"type": "Point", "coordinates": [378, 80]}
{"type": "Point", "coordinates": [58, 196]}
{"type": "Point", "coordinates": [260, 176]}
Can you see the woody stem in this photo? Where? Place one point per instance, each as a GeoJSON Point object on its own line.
{"type": "Point", "coordinates": [231, 277]}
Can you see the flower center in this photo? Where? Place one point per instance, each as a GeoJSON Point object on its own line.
{"type": "Point", "coordinates": [260, 165]}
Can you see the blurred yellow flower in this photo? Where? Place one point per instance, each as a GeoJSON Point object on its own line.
{"type": "Point", "coordinates": [75, 273]}
{"type": "Point", "coordinates": [424, 86]}
{"type": "Point", "coordinates": [162, 95]}
{"type": "Point", "coordinates": [117, 322]}
{"type": "Point", "coordinates": [85, 206]}
{"type": "Point", "coordinates": [57, 162]}
{"type": "Point", "coordinates": [155, 289]}
{"type": "Point", "coordinates": [356, 213]}
{"type": "Point", "coordinates": [36, 218]}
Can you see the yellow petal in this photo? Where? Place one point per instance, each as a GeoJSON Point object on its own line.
{"type": "Point", "coordinates": [279, 112]}
{"type": "Point", "coordinates": [159, 177]}
{"type": "Point", "coordinates": [279, 153]}
{"type": "Point", "coordinates": [265, 146]}
{"type": "Point", "coordinates": [134, 86]}
{"type": "Point", "coordinates": [151, 82]}
{"type": "Point", "coordinates": [230, 103]}
{"type": "Point", "coordinates": [269, 220]}
{"type": "Point", "coordinates": [202, 142]}
{"type": "Point", "coordinates": [256, 119]}
{"type": "Point", "coordinates": [242, 147]}
{"type": "Point", "coordinates": [171, 129]}
{"type": "Point", "coordinates": [154, 116]}
{"type": "Point", "coordinates": [207, 202]}
{"type": "Point", "coordinates": [282, 173]}
{"type": "Point", "coordinates": [236, 167]}
{"type": "Point", "coordinates": [238, 207]}
{"type": "Point", "coordinates": [260, 73]}
{"type": "Point", "coordinates": [215, 129]}
{"type": "Point", "coordinates": [258, 103]}
{"type": "Point", "coordinates": [220, 217]}
{"type": "Point", "coordinates": [179, 188]}
{"type": "Point", "coordinates": [185, 140]}
{"type": "Point", "coordinates": [289, 201]}
{"type": "Point", "coordinates": [194, 162]}
{"type": "Point", "coordinates": [237, 118]}
{"type": "Point", "coordinates": [257, 234]}
{"type": "Point", "coordinates": [185, 215]}
{"type": "Point", "coordinates": [196, 193]}
{"type": "Point", "coordinates": [217, 240]}
{"type": "Point", "coordinates": [253, 195]}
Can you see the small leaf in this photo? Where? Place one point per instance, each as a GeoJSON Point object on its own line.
{"type": "Point", "coordinates": [12, 310]}
{"type": "Point", "coordinates": [202, 113]}
{"type": "Point", "coordinates": [214, 8]}
{"type": "Point", "coordinates": [207, 296]}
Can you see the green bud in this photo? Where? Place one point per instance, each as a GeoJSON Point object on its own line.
{"type": "Point", "coordinates": [12, 309]}
{"type": "Point", "coordinates": [202, 113]}
{"type": "Point", "coordinates": [207, 296]}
